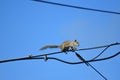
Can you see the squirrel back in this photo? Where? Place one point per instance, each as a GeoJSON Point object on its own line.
{"type": "Point", "coordinates": [68, 44]}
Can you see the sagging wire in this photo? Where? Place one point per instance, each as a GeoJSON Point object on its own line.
{"type": "Point", "coordinates": [77, 7]}
{"type": "Point", "coordinates": [82, 49]}
{"type": "Point", "coordinates": [60, 60]}
{"type": "Point", "coordinates": [45, 57]}
{"type": "Point", "coordinates": [100, 53]}
{"type": "Point", "coordinates": [42, 55]}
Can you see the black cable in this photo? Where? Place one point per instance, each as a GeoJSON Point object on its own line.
{"type": "Point", "coordinates": [98, 72]}
{"type": "Point", "coordinates": [113, 44]}
{"type": "Point", "coordinates": [81, 58]}
{"type": "Point", "coordinates": [88, 64]}
{"type": "Point", "coordinates": [77, 7]}
{"type": "Point", "coordinates": [31, 57]}
{"type": "Point", "coordinates": [53, 58]}
{"type": "Point", "coordinates": [101, 52]}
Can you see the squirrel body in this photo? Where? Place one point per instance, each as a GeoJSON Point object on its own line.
{"type": "Point", "coordinates": [64, 46]}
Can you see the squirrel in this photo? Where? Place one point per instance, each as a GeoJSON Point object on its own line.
{"type": "Point", "coordinates": [65, 46]}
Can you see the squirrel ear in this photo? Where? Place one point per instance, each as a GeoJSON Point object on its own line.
{"type": "Point", "coordinates": [75, 40]}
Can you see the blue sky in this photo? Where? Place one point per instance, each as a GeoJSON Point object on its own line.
{"type": "Point", "coordinates": [27, 25]}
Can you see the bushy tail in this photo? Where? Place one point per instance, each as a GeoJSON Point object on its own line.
{"type": "Point", "coordinates": [49, 46]}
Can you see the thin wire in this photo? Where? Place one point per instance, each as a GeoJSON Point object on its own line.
{"type": "Point", "coordinates": [72, 63]}
{"type": "Point", "coordinates": [88, 64]}
{"type": "Point", "coordinates": [98, 72]}
{"type": "Point", "coordinates": [77, 7]}
{"type": "Point", "coordinates": [31, 57]}
{"type": "Point", "coordinates": [100, 59]}
{"type": "Point", "coordinates": [113, 44]}
{"type": "Point", "coordinates": [81, 58]}
{"type": "Point", "coordinates": [101, 53]}
{"type": "Point", "coordinates": [81, 62]}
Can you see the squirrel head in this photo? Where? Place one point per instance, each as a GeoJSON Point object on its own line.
{"type": "Point", "coordinates": [76, 43]}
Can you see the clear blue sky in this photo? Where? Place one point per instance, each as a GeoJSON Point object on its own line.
{"type": "Point", "coordinates": [25, 26]}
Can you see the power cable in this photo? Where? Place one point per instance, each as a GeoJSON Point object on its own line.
{"type": "Point", "coordinates": [90, 48]}
{"type": "Point", "coordinates": [42, 55]}
{"type": "Point", "coordinates": [60, 60]}
{"type": "Point", "coordinates": [88, 64]}
{"type": "Point", "coordinates": [45, 57]}
{"type": "Point", "coordinates": [77, 7]}
{"type": "Point", "coordinates": [101, 53]}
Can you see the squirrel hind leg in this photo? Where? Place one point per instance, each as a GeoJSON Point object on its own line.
{"type": "Point", "coordinates": [72, 49]}
{"type": "Point", "coordinates": [66, 49]}
{"type": "Point", "coordinates": [69, 48]}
